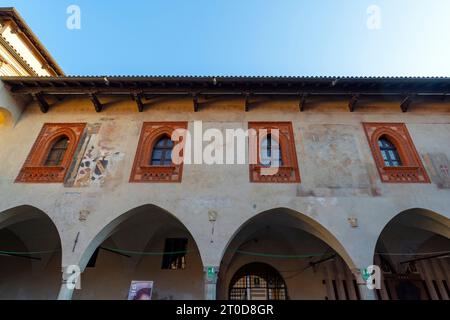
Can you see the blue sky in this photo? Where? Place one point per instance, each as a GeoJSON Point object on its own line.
{"type": "Point", "coordinates": [245, 37]}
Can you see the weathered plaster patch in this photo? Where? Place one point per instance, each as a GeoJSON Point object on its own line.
{"type": "Point", "coordinates": [335, 149]}
{"type": "Point", "coordinates": [438, 167]}
{"type": "Point", "coordinates": [83, 215]}
{"type": "Point", "coordinates": [213, 203]}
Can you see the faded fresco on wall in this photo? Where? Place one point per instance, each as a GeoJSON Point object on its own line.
{"type": "Point", "coordinates": [438, 167]}
{"type": "Point", "coordinates": [95, 167]}
{"type": "Point", "coordinates": [98, 162]}
{"type": "Point", "coordinates": [335, 150]}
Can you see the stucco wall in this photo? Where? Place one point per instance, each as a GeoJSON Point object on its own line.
{"type": "Point", "coordinates": [338, 175]}
{"type": "Point", "coordinates": [33, 276]}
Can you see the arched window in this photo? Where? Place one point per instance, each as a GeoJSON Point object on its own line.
{"type": "Point", "coordinates": [162, 152]}
{"type": "Point", "coordinates": [270, 152]}
{"type": "Point", "coordinates": [57, 152]}
{"type": "Point", "coordinates": [390, 154]}
{"type": "Point", "coordinates": [396, 158]}
{"type": "Point", "coordinates": [257, 281]}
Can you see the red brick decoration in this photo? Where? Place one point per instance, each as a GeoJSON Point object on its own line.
{"type": "Point", "coordinates": [142, 170]}
{"type": "Point", "coordinates": [411, 170]}
{"type": "Point", "coordinates": [288, 172]}
{"type": "Point", "coordinates": [34, 170]}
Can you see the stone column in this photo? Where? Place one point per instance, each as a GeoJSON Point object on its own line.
{"type": "Point", "coordinates": [210, 276]}
{"type": "Point", "coordinates": [64, 292]}
{"type": "Point", "coordinates": [366, 293]}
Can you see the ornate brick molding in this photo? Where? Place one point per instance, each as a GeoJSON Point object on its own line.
{"type": "Point", "coordinates": [33, 170]}
{"type": "Point", "coordinates": [288, 172]}
{"type": "Point", "coordinates": [411, 170]}
{"type": "Point", "coordinates": [142, 170]}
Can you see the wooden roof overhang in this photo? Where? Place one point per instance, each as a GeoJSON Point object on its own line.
{"type": "Point", "coordinates": [304, 88]}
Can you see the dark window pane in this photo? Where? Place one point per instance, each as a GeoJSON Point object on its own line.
{"type": "Point", "coordinates": [162, 152]}
{"type": "Point", "coordinates": [389, 152]}
{"type": "Point", "coordinates": [175, 250]}
{"type": "Point", "coordinates": [56, 153]}
{"type": "Point", "coordinates": [270, 153]}
{"type": "Point", "coordinates": [157, 154]}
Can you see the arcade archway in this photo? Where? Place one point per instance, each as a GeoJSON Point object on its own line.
{"type": "Point", "coordinates": [308, 259]}
{"type": "Point", "coordinates": [30, 255]}
{"type": "Point", "coordinates": [145, 244]}
{"type": "Point", "coordinates": [413, 252]}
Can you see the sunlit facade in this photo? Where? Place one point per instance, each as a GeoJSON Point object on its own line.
{"type": "Point", "coordinates": [88, 179]}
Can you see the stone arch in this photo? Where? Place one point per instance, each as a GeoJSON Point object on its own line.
{"type": "Point", "coordinates": [30, 257]}
{"type": "Point", "coordinates": [413, 251]}
{"type": "Point", "coordinates": [139, 236]}
{"type": "Point", "coordinates": [302, 242]}
{"type": "Point", "coordinates": [22, 213]}
{"type": "Point", "coordinates": [309, 224]}
{"type": "Point", "coordinates": [423, 219]}
{"type": "Point", "coordinates": [111, 227]}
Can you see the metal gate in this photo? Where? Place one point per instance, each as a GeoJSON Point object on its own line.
{"type": "Point", "coordinates": [257, 281]}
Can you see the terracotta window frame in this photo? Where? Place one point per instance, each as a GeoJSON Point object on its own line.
{"type": "Point", "coordinates": [34, 170]}
{"type": "Point", "coordinates": [411, 169]}
{"type": "Point", "coordinates": [143, 170]}
{"type": "Point", "coordinates": [289, 171]}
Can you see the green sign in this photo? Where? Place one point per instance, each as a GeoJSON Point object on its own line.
{"type": "Point", "coordinates": [211, 272]}
{"type": "Point", "coordinates": [365, 274]}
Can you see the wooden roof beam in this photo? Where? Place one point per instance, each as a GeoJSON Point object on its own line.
{"type": "Point", "coordinates": [97, 104]}
{"type": "Point", "coordinates": [195, 102]}
{"type": "Point", "coordinates": [404, 105]}
{"type": "Point", "coordinates": [302, 102]}
{"type": "Point", "coordinates": [138, 98]}
{"type": "Point", "coordinates": [247, 102]}
{"type": "Point", "coordinates": [352, 103]}
{"type": "Point", "coordinates": [39, 98]}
